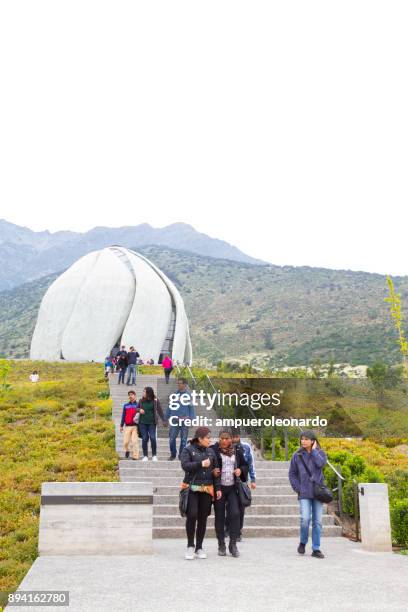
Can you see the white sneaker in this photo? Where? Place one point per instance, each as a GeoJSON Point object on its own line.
{"type": "Point", "coordinates": [200, 554]}
{"type": "Point", "coordinates": [189, 553]}
{"type": "Point", "coordinates": [145, 459]}
{"type": "Point", "coordinates": [154, 458]}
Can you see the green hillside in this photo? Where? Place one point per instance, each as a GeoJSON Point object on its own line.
{"type": "Point", "coordinates": [275, 315]}
{"type": "Point", "coordinates": [59, 429]}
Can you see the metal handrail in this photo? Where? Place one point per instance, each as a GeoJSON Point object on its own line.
{"type": "Point", "coordinates": [210, 381]}
{"type": "Point", "coordinates": [335, 471]}
{"type": "Point", "coordinates": [191, 374]}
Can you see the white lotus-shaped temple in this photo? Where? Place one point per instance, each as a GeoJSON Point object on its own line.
{"type": "Point", "coordinates": [110, 297]}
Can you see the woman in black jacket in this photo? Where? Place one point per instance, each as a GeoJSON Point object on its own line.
{"type": "Point", "coordinates": [231, 465]}
{"type": "Point", "coordinates": [199, 462]}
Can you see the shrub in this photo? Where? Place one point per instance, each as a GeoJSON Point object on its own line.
{"type": "Point", "coordinates": [104, 394]}
{"type": "Point", "coordinates": [392, 442]}
{"type": "Point", "coordinates": [339, 457]}
{"type": "Point", "coordinates": [356, 464]}
{"type": "Point", "coordinates": [348, 497]}
{"type": "Point", "coordinates": [399, 522]}
{"type": "Point", "coordinates": [398, 485]}
{"type": "Point", "coordinates": [371, 474]}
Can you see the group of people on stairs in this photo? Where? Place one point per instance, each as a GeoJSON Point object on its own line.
{"type": "Point", "coordinates": [211, 471]}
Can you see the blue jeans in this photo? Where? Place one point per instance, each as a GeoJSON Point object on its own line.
{"type": "Point", "coordinates": [148, 431]}
{"type": "Point", "coordinates": [131, 374]}
{"type": "Point", "coordinates": [121, 378]}
{"type": "Point", "coordinates": [174, 431]}
{"type": "Point", "coordinates": [311, 509]}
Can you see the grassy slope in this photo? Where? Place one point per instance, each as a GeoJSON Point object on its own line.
{"type": "Point", "coordinates": [56, 430]}
{"type": "Point", "coordinates": [387, 460]}
{"type": "Point", "coordinates": [280, 315]}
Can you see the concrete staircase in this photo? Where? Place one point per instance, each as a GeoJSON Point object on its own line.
{"type": "Point", "coordinates": [274, 510]}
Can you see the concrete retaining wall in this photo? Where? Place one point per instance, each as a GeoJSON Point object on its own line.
{"type": "Point", "coordinates": [96, 518]}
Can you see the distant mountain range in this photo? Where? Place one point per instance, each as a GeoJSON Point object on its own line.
{"type": "Point", "coordinates": [273, 315]}
{"type": "Point", "coordinates": [29, 255]}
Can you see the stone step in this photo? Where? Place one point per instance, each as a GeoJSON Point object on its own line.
{"type": "Point", "coordinates": [161, 468]}
{"type": "Point", "coordinates": [175, 479]}
{"type": "Point", "coordinates": [162, 489]}
{"type": "Point", "coordinates": [119, 393]}
{"type": "Point", "coordinates": [162, 457]}
{"type": "Point", "coordinates": [261, 464]}
{"type": "Point", "coordinates": [162, 443]}
{"type": "Point", "coordinates": [249, 532]}
{"type": "Point", "coordinates": [258, 499]}
{"type": "Point", "coordinates": [254, 509]}
{"type": "Point", "coordinates": [254, 520]}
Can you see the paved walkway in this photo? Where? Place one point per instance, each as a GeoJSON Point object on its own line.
{"type": "Point", "coordinates": [269, 576]}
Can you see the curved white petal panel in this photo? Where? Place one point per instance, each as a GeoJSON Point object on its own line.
{"type": "Point", "coordinates": [150, 314]}
{"type": "Point", "coordinates": [56, 308]}
{"type": "Point", "coordinates": [188, 354]}
{"type": "Point", "coordinates": [181, 333]}
{"type": "Point", "coordinates": [101, 310]}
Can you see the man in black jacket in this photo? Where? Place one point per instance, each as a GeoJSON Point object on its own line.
{"type": "Point", "coordinates": [231, 465]}
{"type": "Point", "coordinates": [122, 362]}
{"type": "Point", "coordinates": [132, 357]}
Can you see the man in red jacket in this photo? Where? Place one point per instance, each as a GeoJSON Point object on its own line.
{"type": "Point", "coordinates": [130, 428]}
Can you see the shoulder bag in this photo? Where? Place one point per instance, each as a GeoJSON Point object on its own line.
{"type": "Point", "coordinates": [321, 492]}
{"type": "Point", "coordinates": [183, 498]}
{"type": "Point", "coordinates": [243, 489]}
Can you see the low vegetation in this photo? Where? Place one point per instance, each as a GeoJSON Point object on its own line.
{"type": "Point", "coordinates": [59, 429]}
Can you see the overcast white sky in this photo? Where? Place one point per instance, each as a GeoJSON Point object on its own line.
{"type": "Point", "coordinates": [281, 127]}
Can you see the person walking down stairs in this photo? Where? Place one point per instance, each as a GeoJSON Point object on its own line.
{"type": "Point", "coordinates": [167, 365]}
{"type": "Point", "coordinates": [179, 409]}
{"type": "Point", "coordinates": [198, 462]}
{"type": "Point", "coordinates": [249, 458]}
{"type": "Point", "coordinates": [231, 465]}
{"type": "Point", "coordinates": [306, 467]}
{"type": "Point", "coordinates": [150, 410]}
{"type": "Point", "coordinates": [129, 427]}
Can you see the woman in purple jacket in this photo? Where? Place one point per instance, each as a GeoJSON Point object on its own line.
{"type": "Point", "coordinates": [310, 455]}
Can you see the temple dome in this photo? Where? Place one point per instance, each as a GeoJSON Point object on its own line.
{"type": "Point", "coordinates": [107, 297]}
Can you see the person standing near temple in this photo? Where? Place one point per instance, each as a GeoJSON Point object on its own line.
{"type": "Point", "coordinates": [132, 357]}
{"type": "Point", "coordinates": [167, 365]}
{"type": "Point", "coordinates": [122, 363]}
